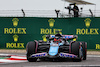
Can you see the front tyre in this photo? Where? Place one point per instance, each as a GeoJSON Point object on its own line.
{"type": "Point", "coordinates": [31, 49]}
{"type": "Point", "coordinates": [84, 45]}
{"type": "Point", "coordinates": [76, 49]}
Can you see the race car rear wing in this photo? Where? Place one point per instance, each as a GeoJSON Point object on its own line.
{"type": "Point", "coordinates": [65, 36]}
{"type": "Point", "coordinates": [68, 37]}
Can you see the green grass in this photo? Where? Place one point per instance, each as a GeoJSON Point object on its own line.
{"type": "Point", "coordinates": [92, 50]}
{"type": "Point", "coordinates": [4, 57]}
{"type": "Point", "coordinates": [25, 49]}
{"type": "Point", "coordinates": [12, 49]}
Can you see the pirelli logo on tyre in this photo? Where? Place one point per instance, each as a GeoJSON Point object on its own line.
{"type": "Point", "coordinates": [88, 30]}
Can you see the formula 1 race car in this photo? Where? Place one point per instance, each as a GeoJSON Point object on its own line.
{"type": "Point", "coordinates": [56, 47]}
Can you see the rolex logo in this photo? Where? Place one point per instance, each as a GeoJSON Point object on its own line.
{"type": "Point", "coordinates": [15, 38]}
{"type": "Point", "coordinates": [51, 22]}
{"type": "Point", "coordinates": [15, 21]}
{"type": "Point", "coordinates": [87, 22]}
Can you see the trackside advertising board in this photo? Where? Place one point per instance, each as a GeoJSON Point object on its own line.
{"type": "Point", "coordinates": [16, 32]}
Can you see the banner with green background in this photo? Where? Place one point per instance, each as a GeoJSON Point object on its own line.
{"type": "Point", "coordinates": [16, 32]}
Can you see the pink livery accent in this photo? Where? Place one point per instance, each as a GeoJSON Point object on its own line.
{"type": "Point", "coordinates": [70, 46]}
{"type": "Point", "coordinates": [64, 36]}
{"type": "Point", "coordinates": [80, 43]}
{"type": "Point", "coordinates": [68, 55]}
{"type": "Point", "coordinates": [86, 48]}
{"type": "Point", "coordinates": [36, 45]}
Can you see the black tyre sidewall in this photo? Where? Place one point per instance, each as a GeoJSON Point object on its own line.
{"type": "Point", "coordinates": [84, 45]}
{"type": "Point", "coordinates": [76, 50]}
{"type": "Point", "coordinates": [31, 47]}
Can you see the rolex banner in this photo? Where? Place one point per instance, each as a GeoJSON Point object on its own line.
{"type": "Point", "coordinates": [16, 32]}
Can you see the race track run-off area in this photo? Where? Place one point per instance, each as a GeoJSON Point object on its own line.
{"type": "Point", "coordinates": [17, 60]}
{"type": "Point", "coordinates": [7, 58]}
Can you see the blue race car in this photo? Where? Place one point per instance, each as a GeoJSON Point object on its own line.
{"type": "Point", "coordinates": [56, 47]}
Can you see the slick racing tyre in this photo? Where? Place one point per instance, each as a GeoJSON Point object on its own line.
{"type": "Point", "coordinates": [76, 50]}
{"type": "Point", "coordinates": [31, 49]}
{"type": "Point", "coordinates": [84, 45]}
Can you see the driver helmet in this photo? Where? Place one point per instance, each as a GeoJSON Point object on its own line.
{"type": "Point", "coordinates": [58, 35]}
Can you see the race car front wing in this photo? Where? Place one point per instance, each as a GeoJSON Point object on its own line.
{"type": "Point", "coordinates": [60, 55]}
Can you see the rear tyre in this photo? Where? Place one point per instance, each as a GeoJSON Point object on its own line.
{"type": "Point", "coordinates": [84, 45]}
{"type": "Point", "coordinates": [76, 50]}
{"type": "Point", "coordinates": [31, 47]}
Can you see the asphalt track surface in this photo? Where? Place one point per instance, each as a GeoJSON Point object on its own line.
{"type": "Point", "coordinates": [92, 61]}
